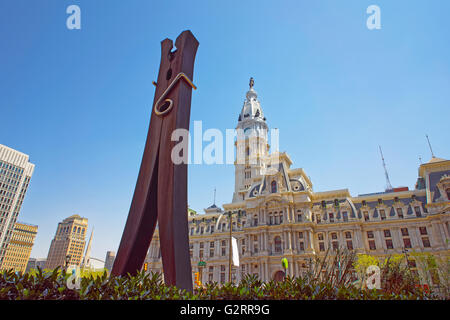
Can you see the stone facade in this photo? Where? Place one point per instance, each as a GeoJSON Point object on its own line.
{"type": "Point", "coordinates": [278, 215]}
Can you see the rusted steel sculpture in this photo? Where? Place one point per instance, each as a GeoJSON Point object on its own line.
{"type": "Point", "coordinates": [161, 189]}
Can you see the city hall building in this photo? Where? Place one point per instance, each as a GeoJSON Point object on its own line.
{"type": "Point", "coordinates": [278, 215]}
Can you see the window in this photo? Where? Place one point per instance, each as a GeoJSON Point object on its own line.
{"type": "Point", "coordinates": [423, 231]}
{"type": "Point", "coordinates": [372, 245]}
{"type": "Point", "coordinates": [412, 263]}
{"type": "Point", "coordinates": [300, 235]}
{"type": "Point", "coordinates": [277, 242]}
{"type": "Point", "coordinates": [426, 242]}
{"type": "Point", "coordinates": [331, 215]}
{"type": "Point", "coordinates": [387, 233]}
{"type": "Point", "coordinates": [302, 246]}
{"type": "Point", "coordinates": [418, 212]}
{"type": "Point", "coordinates": [223, 251]}
{"type": "Point", "coordinates": [389, 244]}
{"type": "Point", "coordinates": [348, 235]}
{"type": "Point", "coordinates": [334, 236]}
{"type": "Point", "coordinates": [345, 216]}
{"type": "Point", "coordinates": [366, 215]}
{"type": "Point", "coordinates": [299, 217]}
{"type": "Point", "coordinates": [370, 234]}
{"type": "Point", "coordinates": [335, 245]}
{"type": "Point", "coordinates": [448, 193]}
{"type": "Point", "coordinates": [349, 244]}
{"type": "Point", "coordinates": [382, 214]}
{"type": "Point", "coordinates": [404, 232]}
{"type": "Point", "coordinates": [321, 246]}
{"type": "Point", "coordinates": [274, 186]}
{"type": "Point", "coordinates": [400, 212]}
{"type": "Point", "coordinates": [320, 236]}
{"type": "Point", "coordinates": [318, 218]}
{"type": "Point", "coordinates": [407, 242]}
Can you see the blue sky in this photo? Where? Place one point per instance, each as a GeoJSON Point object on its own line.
{"type": "Point", "coordinates": [78, 101]}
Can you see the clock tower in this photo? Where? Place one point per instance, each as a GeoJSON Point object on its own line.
{"type": "Point", "coordinates": [251, 144]}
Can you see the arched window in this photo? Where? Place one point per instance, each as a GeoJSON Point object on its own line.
{"type": "Point", "coordinates": [274, 186]}
{"type": "Point", "coordinates": [448, 193]}
{"type": "Point", "coordinates": [277, 242]}
{"type": "Point", "coordinates": [247, 151]}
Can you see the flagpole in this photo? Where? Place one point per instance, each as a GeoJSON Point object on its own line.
{"type": "Point", "coordinates": [230, 247]}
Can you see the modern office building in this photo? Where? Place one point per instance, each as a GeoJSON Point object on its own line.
{"type": "Point", "coordinates": [19, 247]}
{"type": "Point", "coordinates": [68, 244]}
{"type": "Point", "coordinates": [34, 263]}
{"type": "Point", "coordinates": [278, 215]}
{"type": "Point", "coordinates": [109, 260]}
{"type": "Point", "coordinates": [15, 174]}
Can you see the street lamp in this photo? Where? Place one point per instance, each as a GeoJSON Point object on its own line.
{"type": "Point", "coordinates": [230, 218]}
{"type": "Point", "coordinates": [68, 257]}
{"type": "Point", "coordinates": [406, 257]}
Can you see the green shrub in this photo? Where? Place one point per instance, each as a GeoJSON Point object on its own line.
{"type": "Point", "coordinates": [329, 278]}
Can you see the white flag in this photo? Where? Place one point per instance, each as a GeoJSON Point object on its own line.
{"type": "Point", "coordinates": [235, 252]}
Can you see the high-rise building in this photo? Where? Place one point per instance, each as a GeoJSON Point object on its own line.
{"type": "Point", "coordinates": [15, 175]}
{"type": "Point", "coordinates": [68, 244]}
{"type": "Point", "coordinates": [109, 260]}
{"type": "Point", "coordinates": [19, 247]}
{"type": "Point", "coordinates": [279, 215]}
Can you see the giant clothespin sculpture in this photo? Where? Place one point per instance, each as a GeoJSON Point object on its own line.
{"type": "Point", "coordinates": [161, 189]}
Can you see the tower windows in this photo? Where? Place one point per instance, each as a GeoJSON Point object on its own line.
{"type": "Point", "coordinates": [274, 186]}
{"type": "Point", "coordinates": [277, 243]}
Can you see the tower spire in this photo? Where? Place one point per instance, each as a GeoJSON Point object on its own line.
{"type": "Point", "coordinates": [87, 255]}
{"type": "Point", "coordinates": [214, 195]}
{"type": "Point", "coordinates": [431, 149]}
{"type": "Point", "coordinates": [388, 182]}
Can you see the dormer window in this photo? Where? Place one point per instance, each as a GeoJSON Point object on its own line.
{"type": "Point", "coordinates": [274, 186]}
{"type": "Point", "coordinates": [380, 201]}
{"type": "Point", "coordinates": [324, 204]}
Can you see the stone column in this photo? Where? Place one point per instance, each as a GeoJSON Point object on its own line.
{"type": "Point", "coordinates": [289, 235]}
{"type": "Point", "coordinates": [378, 241]}
{"type": "Point", "coordinates": [415, 238]}
{"type": "Point", "coordinates": [294, 240]}
{"type": "Point", "coordinates": [395, 236]}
